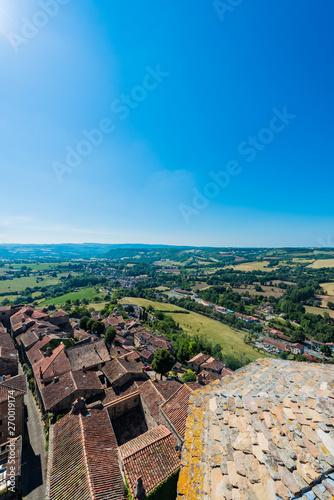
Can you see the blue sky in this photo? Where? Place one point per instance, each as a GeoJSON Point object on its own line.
{"type": "Point", "coordinates": [183, 93]}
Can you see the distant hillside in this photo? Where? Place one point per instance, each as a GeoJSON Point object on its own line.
{"type": "Point", "coordinates": [53, 252]}
{"type": "Point", "coordinates": [66, 251]}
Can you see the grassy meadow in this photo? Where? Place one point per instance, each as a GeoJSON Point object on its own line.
{"type": "Point", "coordinates": [231, 340]}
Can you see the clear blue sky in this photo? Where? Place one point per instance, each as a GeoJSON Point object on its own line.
{"type": "Point", "coordinates": [202, 93]}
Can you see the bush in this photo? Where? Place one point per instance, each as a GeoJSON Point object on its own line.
{"type": "Point", "coordinates": [189, 376]}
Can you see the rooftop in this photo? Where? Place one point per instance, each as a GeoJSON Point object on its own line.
{"type": "Point", "coordinates": [176, 408]}
{"type": "Point", "coordinates": [116, 368]}
{"type": "Point", "coordinates": [84, 462]}
{"type": "Point", "coordinates": [13, 386]}
{"type": "Point", "coordinates": [88, 355]}
{"type": "Point", "coordinates": [265, 432]}
{"type": "Point", "coordinates": [67, 384]}
{"type": "Point", "coordinates": [151, 456]}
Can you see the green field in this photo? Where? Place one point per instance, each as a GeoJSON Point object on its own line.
{"type": "Point", "coordinates": [231, 340]}
{"type": "Point", "coordinates": [318, 264]}
{"type": "Point", "coordinates": [85, 293]}
{"type": "Point", "coordinates": [20, 284]}
{"type": "Point", "coordinates": [44, 266]}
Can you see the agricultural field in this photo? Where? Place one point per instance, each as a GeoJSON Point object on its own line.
{"type": "Point", "coordinates": [162, 288]}
{"type": "Point", "coordinates": [267, 291]}
{"type": "Point", "coordinates": [85, 293]}
{"type": "Point", "coordinates": [20, 284]}
{"type": "Point", "coordinates": [200, 286]}
{"type": "Point", "coordinates": [249, 266]}
{"type": "Point", "coordinates": [325, 299]}
{"type": "Point", "coordinates": [328, 287]}
{"type": "Point", "coordinates": [319, 264]}
{"type": "Point", "coordinates": [319, 310]}
{"type": "Point", "coordinates": [231, 340]}
{"type": "Point", "coordinates": [44, 266]}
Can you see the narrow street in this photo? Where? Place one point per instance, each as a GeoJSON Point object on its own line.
{"type": "Point", "coordinates": [34, 454]}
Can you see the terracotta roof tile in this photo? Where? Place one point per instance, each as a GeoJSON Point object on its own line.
{"type": "Point", "coordinates": [84, 463]}
{"type": "Point", "coordinates": [88, 355]}
{"type": "Point", "coordinates": [54, 365]}
{"type": "Point", "coordinates": [176, 408]}
{"type": "Point", "coordinates": [151, 456]}
{"type": "Point", "coordinates": [116, 368]}
{"type": "Point", "coordinates": [67, 384]}
{"type": "Point", "coordinates": [16, 384]}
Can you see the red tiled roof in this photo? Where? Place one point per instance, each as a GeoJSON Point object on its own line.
{"type": "Point", "coordinates": [130, 356]}
{"type": "Point", "coordinates": [213, 364]}
{"type": "Point", "coordinates": [113, 394]}
{"type": "Point", "coordinates": [268, 341]}
{"type": "Point", "coordinates": [207, 377]}
{"type": "Point", "coordinates": [84, 463]}
{"type": "Point", "coordinates": [116, 368]}
{"type": "Point", "coordinates": [151, 456]}
{"type": "Point", "coordinates": [59, 313]}
{"type": "Point", "coordinates": [55, 364]}
{"type": "Point", "coordinates": [145, 354]}
{"type": "Point", "coordinates": [68, 383]}
{"type": "Point", "coordinates": [152, 398]}
{"type": "Point", "coordinates": [176, 408]}
{"type": "Point", "coordinates": [226, 371]}
{"type": "Point", "coordinates": [88, 355]}
{"type": "Point", "coordinates": [7, 345]}
{"type": "Point", "coordinates": [16, 384]}
{"type": "Point", "coordinates": [199, 358]}
{"type": "Point", "coordinates": [34, 354]}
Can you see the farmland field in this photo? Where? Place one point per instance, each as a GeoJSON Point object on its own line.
{"type": "Point", "coordinates": [319, 310]}
{"type": "Point", "coordinates": [250, 266]}
{"type": "Point", "coordinates": [231, 340]}
{"type": "Point", "coordinates": [318, 264]}
{"type": "Point", "coordinates": [20, 284]}
{"type": "Point", "coordinates": [267, 291]}
{"type": "Point", "coordinates": [43, 266]}
{"type": "Point", "coordinates": [328, 287]}
{"type": "Point", "coordinates": [85, 293]}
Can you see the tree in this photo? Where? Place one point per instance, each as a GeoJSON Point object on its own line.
{"type": "Point", "coordinates": [90, 324]}
{"type": "Point", "coordinates": [97, 328]}
{"type": "Point", "coordinates": [330, 305]}
{"type": "Point", "coordinates": [110, 335]}
{"type": "Point", "coordinates": [192, 349]}
{"type": "Point", "coordinates": [162, 362]}
{"type": "Point", "coordinates": [83, 322]}
{"type": "Point", "coordinates": [189, 376]}
{"type": "Point", "coordinates": [326, 350]}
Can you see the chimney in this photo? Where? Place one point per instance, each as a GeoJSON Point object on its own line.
{"type": "Point", "coordinates": [40, 373]}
